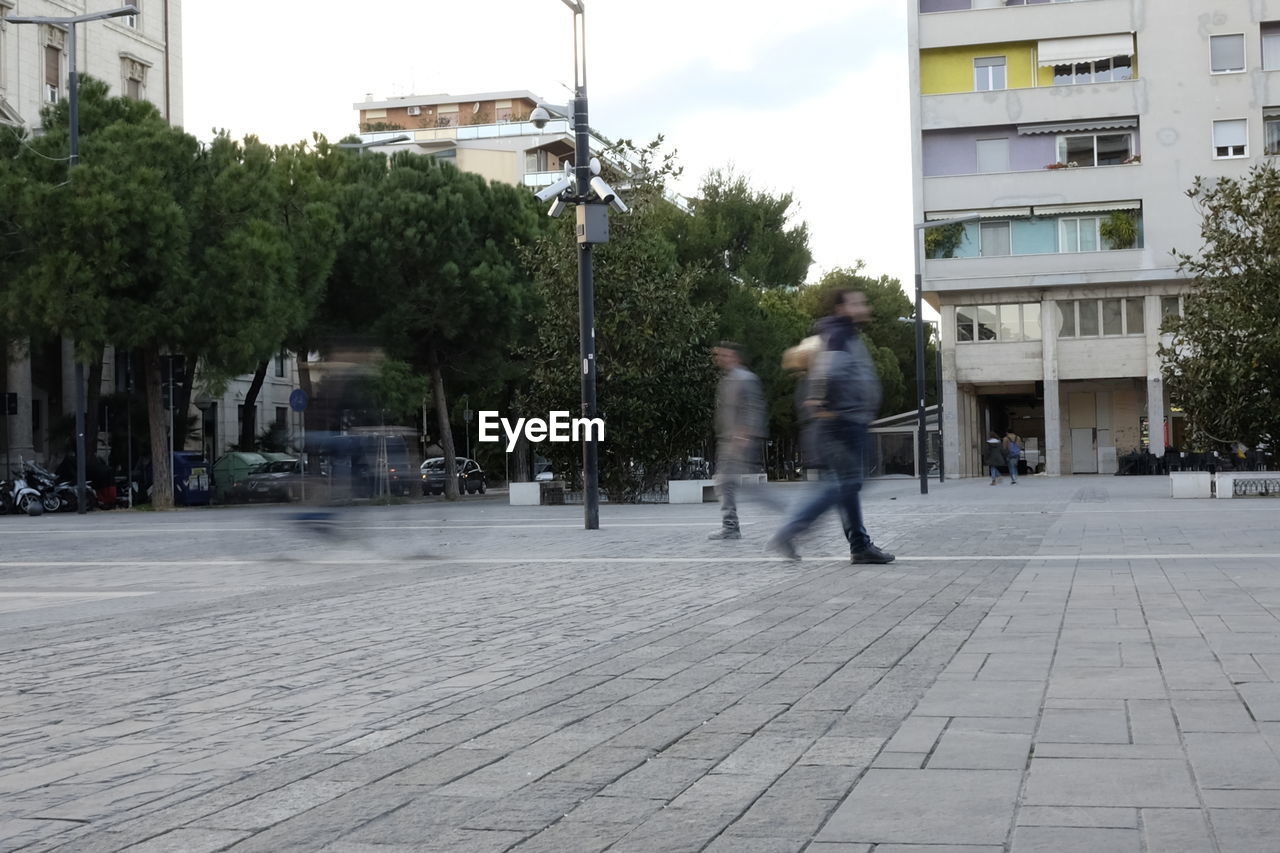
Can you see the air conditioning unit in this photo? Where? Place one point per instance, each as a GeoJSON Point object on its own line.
{"type": "Point", "coordinates": [415, 111]}
{"type": "Point", "coordinates": [50, 93]}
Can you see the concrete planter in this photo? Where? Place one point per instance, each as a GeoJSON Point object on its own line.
{"type": "Point", "coordinates": [690, 491]}
{"type": "Point", "coordinates": [1191, 484]}
{"type": "Point", "coordinates": [525, 494]}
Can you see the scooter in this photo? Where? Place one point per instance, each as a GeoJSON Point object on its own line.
{"type": "Point", "coordinates": [55, 495]}
{"type": "Point", "coordinates": [22, 497]}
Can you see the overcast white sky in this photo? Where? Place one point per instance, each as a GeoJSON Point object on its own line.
{"type": "Point", "coordinates": [806, 96]}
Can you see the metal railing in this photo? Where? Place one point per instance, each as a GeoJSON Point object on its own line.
{"type": "Point", "coordinates": [1256, 487]}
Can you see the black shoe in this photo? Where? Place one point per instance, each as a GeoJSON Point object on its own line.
{"type": "Point", "coordinates": [783, 548]}
{"type": "Point", "coordinates": [870, 554]}
{"type": "Point", "coordinates": [726, 533]}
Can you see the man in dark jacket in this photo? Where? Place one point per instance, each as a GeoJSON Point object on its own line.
{"type": "Point", "coordinates": [740, 431]}
{"type": "Point", "coordinates": [843, 397]}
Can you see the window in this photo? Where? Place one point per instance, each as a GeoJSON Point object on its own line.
{"type": "Point", "coordinates": [989, 74]}
{"type": "Point", "coordinates": [1003, 323]}
{"type": "Point", "coordinates": [993, 239]}
{"type": "Point", "coordinates": [1102, 71]}
{"type": "Point", "coordinates": [1134, 323]}
{"type": "Point", "coordinates": [1090, 318]}
{"type": "Point", "coordinates": [1113, 317]}
{"type": "Point", "coordinates": [135, 77]}
{"type": "Point", "coordinates": [1087, 318]}
{"type": "Point", "coordinates": [1170, 306]}
{"type": "Point", "coordinates": [1066, 319]}
{"type": "Point", "coordinates": [988, 322]}
{"type": "Point", "coordinates": [993, 155]}
{"type": "Point", "coordinates": [1230, 138]}
{"type": "Point", "coordinates": [282, 416]}
{"type": "Point", "coordinates": [52, 73]}
{"type": "Point", "coordinates": [1271, 134]}
{"type": "Point", "coordinates": [1271, 46]}
{"type": "Point", "coordinates": [280, 357]}
{"type": "Point", "coordinates": [1226, 54]}
{"type": "Point", "coordinates": [1079, 234]}
{"type": "Point", "coordinates": [1031, 321]}
{"type": "Point", "coordinates": [1095, 149]}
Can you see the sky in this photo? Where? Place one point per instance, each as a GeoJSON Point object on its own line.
{"type": "Point", "coordinates": [808, 96]}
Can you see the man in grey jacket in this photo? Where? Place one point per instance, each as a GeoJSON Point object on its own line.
{"type": "Point", "coordinates": [740, 431]}
{"type": "Point", "coordinates": [843, 398]}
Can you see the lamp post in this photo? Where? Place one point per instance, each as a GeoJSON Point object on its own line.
{"type": "Point", "coordinates": [591, 195]}
{"type": "Point", "coordinates": [922, 446]}
{"type": "Point", "coordinates": [73, 94]}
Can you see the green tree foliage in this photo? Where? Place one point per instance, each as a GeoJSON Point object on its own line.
{"type": "Point", "coordinates": [1223, 366]}
{"type": "Point", "coordinates": [156, 244]}
{"type": "Point", "coordinates": [655, 378]}
{"type": "Point", "coordinates": [430, 267]}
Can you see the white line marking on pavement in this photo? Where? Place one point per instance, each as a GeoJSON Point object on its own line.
{"type": "Point", "coordinates": [435, 560]}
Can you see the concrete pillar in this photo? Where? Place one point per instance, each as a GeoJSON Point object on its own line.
{"type": "Point", "coordinates": [950, 399]}
{"type": "Point", "coordinates": [1155, 375]}
{"type": "Point", "coordinates": [18, 379]}
{"type": "Point", "coordinates": [1052, 409]}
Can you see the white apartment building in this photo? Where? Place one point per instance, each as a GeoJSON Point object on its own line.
{"type": "Point", "coordinates": [1067, 132]}
{"type": "Point", "coordinates": [138, 56]}
{"type": "Point", "coordinates": [486, 133]}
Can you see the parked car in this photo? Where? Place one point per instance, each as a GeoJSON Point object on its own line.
{"type": "Point", "coordinates": [471, 478]}
{"type": "Point", "coordinates": [276, 481]}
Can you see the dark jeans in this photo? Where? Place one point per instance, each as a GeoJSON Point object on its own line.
{"type": "Point", "coordinates": [844, 451]}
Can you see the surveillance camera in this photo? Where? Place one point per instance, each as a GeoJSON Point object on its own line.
{"type": "Point", "coordinates": [618, 205]}
{"type": "Point", "coordinates": [547, 193]}
{"type": "Point", "coordinates": [557, 207]}
{"type": "Point", "coordinates": [600, 188]}
{"type": "Point", "coordinates": [540, 117]}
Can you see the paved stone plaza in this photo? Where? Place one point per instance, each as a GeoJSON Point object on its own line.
{"type": "Point", "coordinates": [1065, 665]}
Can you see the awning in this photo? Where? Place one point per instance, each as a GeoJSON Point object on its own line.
{"type": "Point", "coordinates": [1084, 49]}
{"type": "Point", "coordinates": [1076, 126]}
{"type": "Point", "coordinates": [986, 213]}
{"type": "Point", "coordinates": [1091, 207]}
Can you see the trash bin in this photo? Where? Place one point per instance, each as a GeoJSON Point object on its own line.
{"type": "Point", "coordinates": [190, 479]}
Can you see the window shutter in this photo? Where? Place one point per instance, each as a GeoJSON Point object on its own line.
{"type": "Point", "coordinates": [52, 66]}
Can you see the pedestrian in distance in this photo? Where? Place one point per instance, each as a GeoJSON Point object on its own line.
{"type": "Point", "coordinates": [1013, 453]}
{"type": "Point", "coordinates": [740, 432]}
{"type": "Point", "coordinates": [995, 457]}
{"type": "Point", "coordinates": [843, 397]}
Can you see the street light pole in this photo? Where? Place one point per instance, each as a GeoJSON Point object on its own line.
{"type": "Point", "coordinates": [73, 94]}
{"type": "Point", "coordinates": [586, 283]}
{"type": "Point", "coordinates": [922, 444]}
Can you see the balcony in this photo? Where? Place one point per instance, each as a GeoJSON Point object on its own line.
{"type": "Point", "coordinates": [1060, 269]}
{"type": "Point", "coordinates": [1024, 189]}
{"type": "Point", "coordinates": [1024, 23]}
{"type": "Point", "coordinates": [538, 180]}
{"type": "Point", "coordinates": [1038, 104]}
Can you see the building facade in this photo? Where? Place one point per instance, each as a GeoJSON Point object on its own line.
{"type": "Point", "coordinates": [488, 133]}
{"type": "Point", "coordinates": [139, 56]}
{"type": "Point", "coordinates": [1065, 134]}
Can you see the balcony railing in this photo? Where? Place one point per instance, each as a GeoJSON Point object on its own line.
{"type": "Point", "coordinates": [928, 6]}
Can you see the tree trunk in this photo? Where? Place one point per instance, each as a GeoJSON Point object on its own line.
{"type": "Point", "coordinates": [520, 461]}
{"type": "Point", "coordinates": [446, 434]}
{"type": "Point", "coordinates": [249, 420]}
{"type": "Point", "coordinates": [92, 395]}
{"type": "Point", "coordinates": [161, 461]}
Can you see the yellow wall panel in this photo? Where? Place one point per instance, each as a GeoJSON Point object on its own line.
{"type": "Point", "coordinates": [950, 69]}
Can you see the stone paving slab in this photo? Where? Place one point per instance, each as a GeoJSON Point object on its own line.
{"type": "Point", "coordinates": [477, 677]}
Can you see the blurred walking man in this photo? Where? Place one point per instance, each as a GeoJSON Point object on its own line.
{"type": "Point", "coordinates": [740, 432]}
{"type": "Point", "coordinates": [843, 397]}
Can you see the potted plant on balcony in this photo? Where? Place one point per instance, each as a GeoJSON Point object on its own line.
{"type": "Point", "coordinates": [1119, 230]}
{"type": "Point", "coordinates": [942, 242]}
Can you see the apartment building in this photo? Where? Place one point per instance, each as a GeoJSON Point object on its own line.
{"type": "Point", "coordinates": [138, 56]}
{"type": "Point", "coordinates": [1065, 134]}
{"type": "Point", "coordinates": [486, 133]}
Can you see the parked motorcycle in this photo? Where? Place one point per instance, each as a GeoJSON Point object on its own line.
{"type": "Point", "coordinates": [55, 495]}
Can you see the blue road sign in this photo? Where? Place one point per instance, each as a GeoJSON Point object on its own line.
{"type": "Point", "coordinates": [298, 400]}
